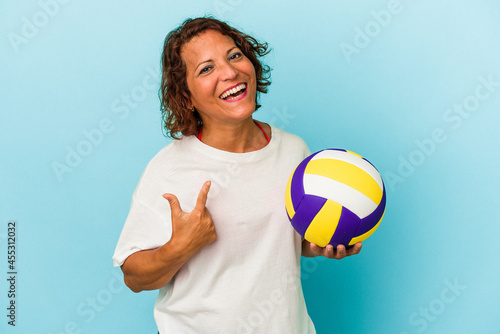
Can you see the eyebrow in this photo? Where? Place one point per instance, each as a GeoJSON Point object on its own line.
{"type": "Point", "coordinates": [210, 60]}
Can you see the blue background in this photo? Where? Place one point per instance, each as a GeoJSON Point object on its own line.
{"type": "Point", "coordinates": [382, 78]}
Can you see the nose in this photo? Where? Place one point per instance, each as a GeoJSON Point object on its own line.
{"type": "Point", "coordinates": [228, 71]}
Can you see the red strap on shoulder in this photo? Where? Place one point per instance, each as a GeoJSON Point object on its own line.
{"type": "Point", "coordinates": [264, 132]}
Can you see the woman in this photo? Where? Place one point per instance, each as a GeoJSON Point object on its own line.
{"type": "Point", "coordinates": [225, 258]}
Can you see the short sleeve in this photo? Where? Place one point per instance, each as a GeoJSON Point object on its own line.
{"type": "Point", "coordinates": [307, 151]}
{"type": "Point", "coordinates": [144, 229]}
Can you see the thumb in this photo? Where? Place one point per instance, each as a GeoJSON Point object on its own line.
{"type": "Point", "coordinates": [175, 206]}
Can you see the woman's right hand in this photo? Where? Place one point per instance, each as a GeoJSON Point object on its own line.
{"type": "Point", "coordinates": [191, 231]}
{"type": "Point", "coordinates": [194, 230]}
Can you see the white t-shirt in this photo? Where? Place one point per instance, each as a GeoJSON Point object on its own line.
{"type": "Point", "coordinates": [248, 279]}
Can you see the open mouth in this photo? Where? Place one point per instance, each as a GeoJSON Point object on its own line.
{"type": "Point", "coordinates": [234, 92]}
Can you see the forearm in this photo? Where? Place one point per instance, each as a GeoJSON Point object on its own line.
{"type": "Point", "coordinates": [153, 269]}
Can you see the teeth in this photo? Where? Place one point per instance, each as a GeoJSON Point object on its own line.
{"type": "Point", "coordinates": [232, 91]}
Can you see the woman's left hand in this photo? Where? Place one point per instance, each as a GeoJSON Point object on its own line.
{"type": "Point", "coordinates": [310, 249]}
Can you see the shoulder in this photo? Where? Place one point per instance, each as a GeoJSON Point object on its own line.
{"type": "Point", "coordinates": [289, 139]}
{"type": "Point", "coordinates": [164, 163]}
{"type": "Point", "coordinates": [171, 153]}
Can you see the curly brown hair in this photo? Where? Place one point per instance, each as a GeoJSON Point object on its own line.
{"type": "Point", "coordinates": [174, 91]}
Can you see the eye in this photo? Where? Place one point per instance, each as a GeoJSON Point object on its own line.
{"type": "Point", "coordinates": [206, 69]}
{"type": "Point", "coordinates": [235, 55]}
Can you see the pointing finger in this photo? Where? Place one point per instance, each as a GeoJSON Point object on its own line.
{"type": "Point", "coordinates": [202, 197]}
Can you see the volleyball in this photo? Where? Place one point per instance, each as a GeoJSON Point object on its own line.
{"type": "Point", "coordinates": [335, 197]}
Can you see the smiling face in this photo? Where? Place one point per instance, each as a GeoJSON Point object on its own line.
{"type": "Point", "coordinates": [220, 78]}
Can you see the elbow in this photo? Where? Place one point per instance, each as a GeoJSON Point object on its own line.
{"type": "Point", "coordinates": [135, 290]}
{"type": "Point", "coordinates": [131, 285]}
{"type": "Point", "coordinates": [129, 280]}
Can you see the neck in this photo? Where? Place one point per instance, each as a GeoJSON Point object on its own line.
{"type": "Point", "coordinates": [238, 138]}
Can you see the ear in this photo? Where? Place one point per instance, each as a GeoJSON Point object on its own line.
{"type": "Point", "coordinates": [189, 103]}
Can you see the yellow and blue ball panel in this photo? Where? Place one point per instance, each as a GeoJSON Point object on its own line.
{"type": "Point", "coordinates": [335, 197]}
